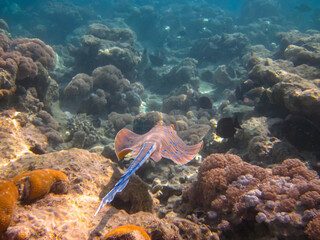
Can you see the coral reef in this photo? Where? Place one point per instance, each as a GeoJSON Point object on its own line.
{"type": "Point", "coordinates": [230, 190]}
{"type": "Point", "coordinates": [84, 131]}
{"type": "Point", "coordinates": [143, 122]}
{"type": "Point", "coordinates": [18, 137]}
{"type": "Point", "coordinates": [185, 73]}
{"type": "Point", "coordinates": [35, 49]}
{"type": "Point", "coordinates": [175, 102]}
{"type": "Point", "coordinates": [220, 47]}
{"type": "Point", "coordinates": [285, 88]}
{"type": "Point", "coordinates": [109, 47]}
{"type": "Point", "coordinates": [25, 64]}
{"type": "Point", "coordinates": [62, 17]}
{"type": "Point", "coordinates": [253, 10]}
{"type": "Point", "coordinates": [109, 92]}
{"type": "Point", "coordinates": [71, 216]}
{"type": "Point", "coordinates": [115, 62]}
{"type": "Point", "coordinates": [291, 81]}
{"type": "Point", "coordinates": [79, 87]}
{"type": "Point", "coordinates": [120, 121]}
{"type": "Point", "coordinates": [48, 126]}
{"type": "Point", "coordinates": [313, 226]}
{"type": "Point", "coordinates": [9, 196]}
{"type": "Point", "coordinates": [35, 184]}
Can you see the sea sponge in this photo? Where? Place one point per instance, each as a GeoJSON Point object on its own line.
{"type": "Point", "coordinates": [128, 232]}
{"type": "Point", "coordinates": [37, 183]}
{"type": "Point", "coordinates": [8, 201]}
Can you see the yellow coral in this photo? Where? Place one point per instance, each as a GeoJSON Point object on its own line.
{"type": "Point", "coordinates": [8, 201]}
{"type": "Point", "coordinates": [128, 231]}
{"type": "Point", "coordinates": [37, 183]}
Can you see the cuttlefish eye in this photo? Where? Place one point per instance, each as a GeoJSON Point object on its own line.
{"type": "Point", "coordinates": [172, 126]}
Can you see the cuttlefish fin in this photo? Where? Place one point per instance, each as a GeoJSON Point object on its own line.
{"type": "Point", "coordinates": [125, 142]}
{"type": "Point", "coordinates": [146, 151]}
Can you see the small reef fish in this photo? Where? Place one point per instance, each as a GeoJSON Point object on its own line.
{"type": "Point", "coordinates": [159, 142]}
{"type": "Point", "coordinates": [205, 102]}
{"type": "Point", "coordinates": [302, 132]}
{"type": "Point", "coordinates": [226, 127]}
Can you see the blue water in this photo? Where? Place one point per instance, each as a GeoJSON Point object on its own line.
{"type": "Point", "coordinates": [54, 21]}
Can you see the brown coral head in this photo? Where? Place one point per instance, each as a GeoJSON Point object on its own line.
{"type": "Point", "coordinates": [7, 84]}
{"type": "Point", "coordinates": [61, 186]}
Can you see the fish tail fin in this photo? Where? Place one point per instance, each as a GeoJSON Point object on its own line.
{"type": "Point", "coordinates": [121, 184]}
{"type": "Point", "coordinates": [145, 152]}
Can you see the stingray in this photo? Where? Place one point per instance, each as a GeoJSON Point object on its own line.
{"type": "Point", "coordinates": [159, 142]}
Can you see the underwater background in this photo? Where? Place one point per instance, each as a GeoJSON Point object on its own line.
{"type": "Point", "coordinates": [241, 76]}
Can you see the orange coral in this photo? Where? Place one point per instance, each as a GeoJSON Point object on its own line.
{"type": "Point", "coordinates": [131, 232]}
{"type": "Point", "coordinates": [8, 201]}
{"type": "Point", "coordinates": [37, 183]}
{"type": "Point", "coordinates": [310, 199]}
{"type": "Point", "coordinates": [313, 228]}
{"type": "Point", "coordinates": [293, 168]}
{"type": "Point", "coordinates": [235, 190]}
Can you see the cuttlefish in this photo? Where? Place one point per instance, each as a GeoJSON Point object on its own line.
{"type": "Point", "coordinates": [160, 141]}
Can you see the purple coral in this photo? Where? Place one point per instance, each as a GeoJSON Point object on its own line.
{"type": "Point", "coordinates": [238, 191]}
{"type": "Point", "coordinates": [35, 49]}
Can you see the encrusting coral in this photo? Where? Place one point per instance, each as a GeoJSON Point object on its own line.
{"type": "Point", "coordinates": [37, 183]}
{"type": "Point", "coordinates": [313, 227]}
{"type": "Point", "coordinates": [8, 201]}
{"type": "Point", "coordinates": [129, 232]}
{"type": "Point", "coordinates": [284, 198]}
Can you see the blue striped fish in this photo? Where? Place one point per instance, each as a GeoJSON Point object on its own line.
{"type": "Point", "coordinates": [160, 141]}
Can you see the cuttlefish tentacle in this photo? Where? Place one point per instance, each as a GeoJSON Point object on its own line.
{"type": "Point", "coordinates": [160, 141]}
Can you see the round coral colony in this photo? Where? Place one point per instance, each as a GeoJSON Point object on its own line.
{"type": "Point", "coordinates": [35, 184]}
{"type": "Point", "coordinates": [8, 201]}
